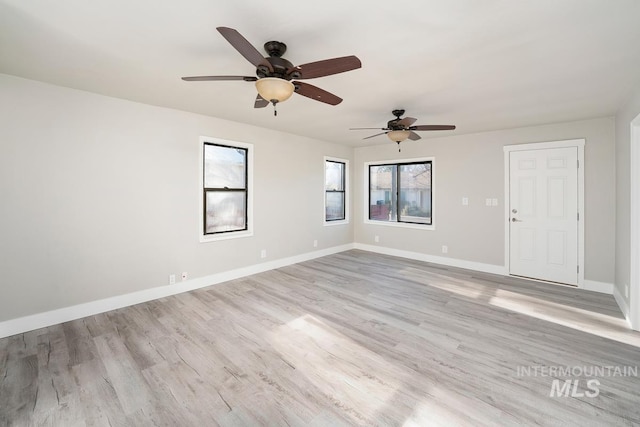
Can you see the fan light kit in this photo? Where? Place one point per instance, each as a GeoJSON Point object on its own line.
{"type": "Point", "coordinates": [274, 89]}
{"type": "Point", "coordinates": [274, 73]}
{"type": "Point", "coordinates": [398, 129]}
{"type": "Point", "coordinates": [398, 135]}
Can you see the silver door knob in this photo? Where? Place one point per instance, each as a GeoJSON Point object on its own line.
{"type": "Point", "coordinates": [515, 220]}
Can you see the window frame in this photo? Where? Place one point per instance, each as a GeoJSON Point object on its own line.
{"type": "Point", "coordinates": [345, 184]}
{"type": "Point", "coordinates": [397, 223]}
{"type": "Point", "coordinates": [231, 234]}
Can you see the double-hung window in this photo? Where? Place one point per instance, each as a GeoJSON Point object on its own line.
{"type": "Point", "coordinates": [335, 191]}
{"type": "Point", "coordinates": [226, 189]}
{"type": "Point", "coordinates": [401, 193]}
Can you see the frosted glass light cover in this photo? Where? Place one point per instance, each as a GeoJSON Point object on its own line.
{"type": "Point", "coordinates": [273, 88]}
{"type": "Point", "coordinates": [398, 135]}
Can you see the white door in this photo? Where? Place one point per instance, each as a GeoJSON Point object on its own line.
{"type": "Point", "coordinates": [543, 214]}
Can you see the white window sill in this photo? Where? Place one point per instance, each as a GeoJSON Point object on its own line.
{"type": "Point", "coordinates": [340, 222]}
{"type": "Point", "coordinates": [225, 236]}
{"type": "Point", "coordinates": [401, 225]}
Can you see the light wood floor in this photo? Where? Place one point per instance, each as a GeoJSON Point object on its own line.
{"type": "Point", "coordinates": [354, 338]}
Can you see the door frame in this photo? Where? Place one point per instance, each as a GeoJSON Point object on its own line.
{"type": "Point", "coordinates": [508, 149]}
{"type": "Point", "coordinates": [634, 253]}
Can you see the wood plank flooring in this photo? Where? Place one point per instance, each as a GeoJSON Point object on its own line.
{"type": "Point", "coordinates": [354, 338]}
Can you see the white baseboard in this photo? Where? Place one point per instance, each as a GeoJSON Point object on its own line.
{"type": "Point", "coordinates": [54, 317]}
{"type": "Point", "coordinates": [451, 262]}
{"type": "Point", "coordinates": [590, 285]}
{"type": "Point", "coordinates": [595, 286]}
{"type": "Point", "coordinates": [622, 304]}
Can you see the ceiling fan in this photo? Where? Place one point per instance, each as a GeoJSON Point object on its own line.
{"type": "Point", "coordinates": [400, 129]}
{"type": "Point", "coordinates": [274, 73]}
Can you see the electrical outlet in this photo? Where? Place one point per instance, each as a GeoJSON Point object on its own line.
{"type": "Point", "coordinates": [172, 279]}
{"type": "Point", "coordinates": [626, 291]}
{"type": "Point", "coordinates": [445, 249]}
{"type": "Point", "coordinates": [315, 243]}
{"type": "Point", "coordinates": [263, 253]}
{"type": "Point", "coordinates": [185, 276]}
{"type": "Point", "coordinates": [376, 239]}
{"type": "Point", "coordinates": [465, 201]}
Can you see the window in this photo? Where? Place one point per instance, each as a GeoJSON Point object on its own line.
{"type": "Point", "coordinates": [225, 189]}
{"type": "Point", "coordinates": [335, 191]}
{"type": "Point", "coordinates": [401, 193]}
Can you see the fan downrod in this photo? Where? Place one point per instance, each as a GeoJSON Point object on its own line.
{"type": "Point", "coordinates": [275, 48]}
{"type": "Point", "coordinates": [397, 113]}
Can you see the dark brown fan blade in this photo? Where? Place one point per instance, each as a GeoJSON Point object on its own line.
{"type": "Point", "coordinates": [432, 127]}
{"type": "Point", "coordinates": [407, 121]}
{"type": "Point", "coordinates": [214, 78]}
{"type": "Point", "coordinates": [328, 67]}
{"type": "Point", "coordinates": [260, 102]}
{"type": "Point", "coordinates": [414, 136]}
{"type": "Point", "coordinates": [367, 128]}
{"type": "Point", "coordinates": [243, 46]}
{"type": "Point", "coordinates": [313, 92]}
{"type": "Point", "coordinates": [377, 134]}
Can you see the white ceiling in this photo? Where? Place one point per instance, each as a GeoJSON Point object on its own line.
{"type": "Point", "coordinates": [479, 64]}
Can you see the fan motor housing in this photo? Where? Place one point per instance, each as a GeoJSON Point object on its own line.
{"type": "Point", "coordinates": [280, 66]}
{"type": "Point", "coordinates": [393, 124]}
{"type": "Point", "coordinates": [276, 49]}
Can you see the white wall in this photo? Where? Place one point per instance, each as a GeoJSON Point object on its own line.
{"type": "Point", "coordinates": [472, 166]}
{"type": "Point", "coordinates": [623, 197]}
{"type": "Point", "coordinates": [100, 197]}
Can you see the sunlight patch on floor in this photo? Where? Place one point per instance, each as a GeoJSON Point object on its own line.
{"type": "Point", "coordinates": [354, 378]}
{"type": "Point", "coordinates": [427, 413]}
{"type": "Point", "coordinates": [465, 289]}
{"type": "Point", "coordinates": [572, 317]}
{"type": "Point", "coordinates": [576, 318]}
{"type": "Point", "coordinates": [461, 287]}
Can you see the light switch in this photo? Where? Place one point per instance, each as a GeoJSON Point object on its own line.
{"type": "Point", "coordinates": [465, 201]}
